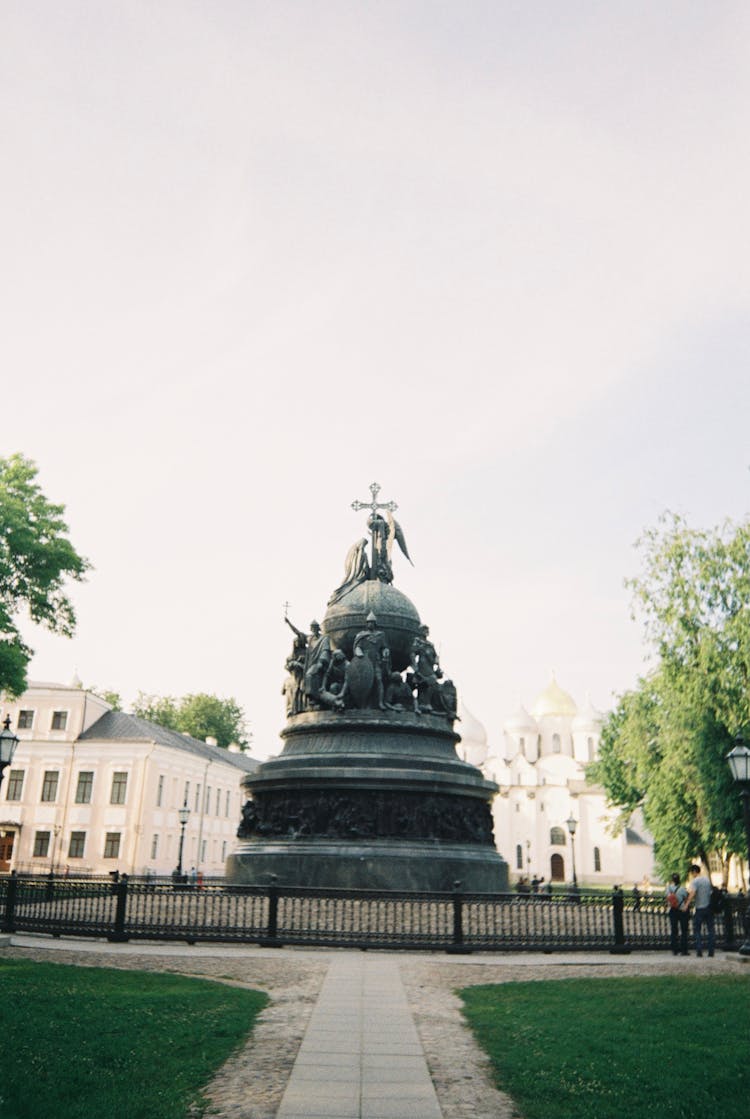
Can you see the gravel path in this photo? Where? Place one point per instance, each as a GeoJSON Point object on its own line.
{"type": "Point", "coordinates": [251, 1083]}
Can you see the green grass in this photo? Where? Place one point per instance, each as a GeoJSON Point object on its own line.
{"type": "Point", "coordinates": [661, 1047]}
{"type": "Point", "coordinates": [82, 1042]}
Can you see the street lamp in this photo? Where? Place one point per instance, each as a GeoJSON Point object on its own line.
{"type": "Point", "coordinates": [739, 763]}
{"type": "Point", "coordinates": [572, 825]}
{"type": "Point", "coordinates": [8, 743]}
{"type": "Point", "coordinates": [183, 814]}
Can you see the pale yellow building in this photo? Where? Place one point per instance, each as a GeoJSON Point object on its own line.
{"type": "Point", "coordinates": [93, 790]}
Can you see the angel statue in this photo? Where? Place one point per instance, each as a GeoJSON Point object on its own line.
{"type": "Point", "coordinates": [384, 532]}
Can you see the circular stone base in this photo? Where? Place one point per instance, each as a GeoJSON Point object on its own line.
{"type": "Point", "coordinates": [376, 865]}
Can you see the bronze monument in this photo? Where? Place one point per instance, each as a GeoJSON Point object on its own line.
{"type": "Point", "coordinates": [368, 791]}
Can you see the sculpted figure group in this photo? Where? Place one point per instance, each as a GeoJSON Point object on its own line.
{"type": "Point", "coordinates": [320, 677]}
{"type": "Point", "coordinates": [367, 815]}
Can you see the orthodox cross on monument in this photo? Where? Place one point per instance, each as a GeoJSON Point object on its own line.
{"type": "Point", "coordinates": [374, 504]}
{"type": "Point", "coordinates": [375, 522]}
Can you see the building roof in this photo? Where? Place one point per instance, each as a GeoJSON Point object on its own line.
{"type": "Point", "coordinates": [553, 701]}
{"type": "Point", "coordinates": [119, 726]}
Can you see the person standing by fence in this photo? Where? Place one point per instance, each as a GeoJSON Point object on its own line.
{"type": "Point", "coordinates": [700, 892]}
{"type": "Point", "coordinates": [677, 897]}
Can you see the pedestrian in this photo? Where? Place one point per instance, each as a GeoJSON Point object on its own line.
{"type": "Point", "coordinates": [700, 893]}
{"type": "Point", "coordinates": [636, 898]}
{"type": "Point", "coordinates": [677, 908]}
{"type": "Point", "coordinates": [193, 875]}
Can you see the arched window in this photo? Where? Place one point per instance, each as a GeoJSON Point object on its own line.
{"type": "Point", "coordinates": [557, 837]}
{"type": "Point", "coordinates": [522, 745]}
{"type": "Point", "coordinates": [519, 857]}
{"type": "Point", "coordinates": [556, 746]}
{"type": "Point", "coordinates": [597, 859]}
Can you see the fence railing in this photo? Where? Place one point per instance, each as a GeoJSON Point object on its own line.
{"type": "Point", "coordinates": [162, 909]}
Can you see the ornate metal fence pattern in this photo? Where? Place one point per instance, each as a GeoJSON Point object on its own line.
{"type": "Point", "coordinates": [214, 910]}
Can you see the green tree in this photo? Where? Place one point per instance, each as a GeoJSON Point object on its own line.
{"type": "Point", "coordinates": [36, 559]}
{"type": "Point", "coordinates": [200, 715]}
{"type": "Point", "coordinates": [664, 746]}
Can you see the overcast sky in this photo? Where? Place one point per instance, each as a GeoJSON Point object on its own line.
{"type": "Point", "coordinates": [256, 256]}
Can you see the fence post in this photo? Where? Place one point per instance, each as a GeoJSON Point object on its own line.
{"type": "Point", "coordinates": [619, 948]}
{"type": "Point", "coordinates": [121, 902]}
{"type": "Point", "coordinates": [457, 946]}
{"type": "Point", "coordinates": [270, 940]}
{"type": "Point", "coordinates": [728, 914]}
{"type": "Point", "coordinates": [10, 903]}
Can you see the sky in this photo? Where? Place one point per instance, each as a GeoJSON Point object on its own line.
{"type": "Point", "coordinates": [257, 256]}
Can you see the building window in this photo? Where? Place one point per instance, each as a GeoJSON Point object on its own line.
{"type": "Point", "coordinates": [518, 808]}
{"type": "Point", "coordinates": [77, 844]}
{"type": "Point", "coordinates": [597, 859]}
{"type": "Point", "coordinates": [155, 847]}
{"type": "Point", "coordinates": [227, 805]}
{"type": "Point", "coordinates": [556, 745]}
{"type": "Point", "coordinates": [84, 786]}
{"type": "Point", "coordinates": [59, 720]}
{"type": "Point", "coordinates": [714, 863]}
{"type": "Point", "coordinates": [112, 845]}
{"type": "Point", "coordinates": [203, 850]}
{"type": "Point", "coordinates": [197, 798]}
{"type": "Point", "coordinates": [557, 837]}
{"type": "Point", "coordinates": [187, 792]}
{"type": "Point", "coordinates": [590, 748]}
{"type": "Point", "coordinates": [160, 791]}
{"type": "Point", "coordinates": [224, 850]}
{"type": "Point", "coordinates": [41, 844]}
{"type": "Point", "coordinates": [49, 785]}
{"type": "Point", "coordinates": [208, 799]}
{"type": "Point", "coordinates": [15, 784]}
{"type": "Point", "coordinates": [119, 788]}
{"type": "Point", "coordinates": [519, 857]}
{"type": "Point", "coordinates": [25, 720]}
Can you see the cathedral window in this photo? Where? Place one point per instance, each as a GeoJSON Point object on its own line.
{"type": "Point", "coordinates": [590, 745]}
{"type": "Point", "coordinates": [556, 745]}
{"type": "Point", "coordinates": [597, 859]}
{"type": "Point", "coordinates": [522, 745]}
{"type": "Point", "coordinates": [519, 857]}
{"type": "Point", "coordinates": [557, 837]}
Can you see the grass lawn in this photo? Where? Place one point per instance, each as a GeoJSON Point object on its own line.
{"type": "Point", "coordinates": [608, 1048]}
{"type": "Point", "coordinates": [84, 1042]}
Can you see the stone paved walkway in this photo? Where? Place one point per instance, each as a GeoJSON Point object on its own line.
{"type": "Point", "coordinates": [361, 1057]}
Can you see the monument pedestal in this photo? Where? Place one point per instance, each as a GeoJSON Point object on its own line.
{"type": "Point", "coordinates": [369, 800]}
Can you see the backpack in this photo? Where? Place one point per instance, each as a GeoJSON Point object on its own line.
{"type": "Point", "coordinates": [716, 904]}
{"type": "Point", "coordinates": [672, 901]}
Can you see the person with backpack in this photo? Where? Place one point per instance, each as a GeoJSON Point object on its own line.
{"type": "Point", "coordinates": [700, 891]}
{"type": "Point", "coordinates": [677, 909]}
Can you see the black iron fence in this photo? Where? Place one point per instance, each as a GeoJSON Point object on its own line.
{"type": "Point", "coordinates": [214, 910]}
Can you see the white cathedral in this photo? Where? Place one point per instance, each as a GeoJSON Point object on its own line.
{"type": "Point", "coordinates": [540, 769]}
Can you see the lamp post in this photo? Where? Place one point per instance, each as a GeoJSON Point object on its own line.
{"type": "Point", "coordinates": [572, 825]}
{"type": "Point", "coordinates": [8, 743]}
{"type": "Point", "coordinates": [183, 814]}
{"type": "Point", "coordinates": [739, 763]}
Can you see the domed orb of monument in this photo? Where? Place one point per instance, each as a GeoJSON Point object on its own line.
{"type": "Point", "coordinates": [396, 616]}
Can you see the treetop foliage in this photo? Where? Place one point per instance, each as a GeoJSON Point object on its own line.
{"type": "Point", "coordinates": [36, 559]}
{"type": "Point", "coordinates": [200, 715]}
{"type": "Point", "coordinates": [664, 746]}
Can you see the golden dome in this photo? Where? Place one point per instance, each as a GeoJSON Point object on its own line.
{"type": "Point", "coordinates": [553, 701]}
